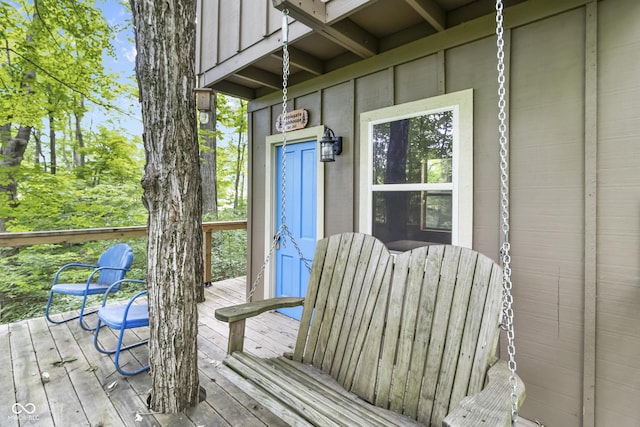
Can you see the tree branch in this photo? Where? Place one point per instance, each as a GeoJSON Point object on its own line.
{"type": "Point", "coordinates": [70, 87]}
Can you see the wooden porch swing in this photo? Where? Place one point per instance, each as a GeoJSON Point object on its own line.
{"type": "Point", "coordinates": [388, 340]}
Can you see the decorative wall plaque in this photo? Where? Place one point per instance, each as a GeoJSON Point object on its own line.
{"type": "Point", "coordinates": [292, 120]}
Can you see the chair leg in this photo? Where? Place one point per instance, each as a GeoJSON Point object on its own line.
{"type": "Point", "coordinates": [119, 349]}
{"type": "Point", "coordinates": [95, 340]}
{"type": "Point", "coordinates": [105, 351]}
{"type": "Point", "coordinates": [79, 316]}
{"type": "Point", "coordinates": [82, 314]}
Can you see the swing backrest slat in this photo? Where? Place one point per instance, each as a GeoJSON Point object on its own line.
{"type": "Point", "coordinates": [413, 333]}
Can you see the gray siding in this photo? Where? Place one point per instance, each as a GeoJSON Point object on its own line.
{"type": "Point", "coordinates": [229, 29]}
{"type": "Point", "coordinates": [618, 309]}
{"type": "Point", "coordinates": [253, 25]}
{"type": "Point", "coordinates": [339, 179]}
{"type": "Point", "coordinates": [547, 130]}
{"type": "Point", "coordinates": [547, 90]}
{"type": "Point", "coordinates": [208, 51]}
{"type": "Point", "coordinates": [474, 66]}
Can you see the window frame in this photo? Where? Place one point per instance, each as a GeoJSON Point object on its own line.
{"type": "Point", "coordinates": [461, 103]}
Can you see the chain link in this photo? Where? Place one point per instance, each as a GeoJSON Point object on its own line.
{"type": "Point", "coordinates": [507, 285]}
{"type": "Point", "coordinates": [283, 234]}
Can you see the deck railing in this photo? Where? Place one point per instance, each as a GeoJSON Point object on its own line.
{"type": "Point", "coordinates": [91, 234]}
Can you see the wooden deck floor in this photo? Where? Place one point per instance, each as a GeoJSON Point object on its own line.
{"type": "Point", "coordinates": [84, 388]}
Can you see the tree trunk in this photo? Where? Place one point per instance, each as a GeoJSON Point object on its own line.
{"type": "Point", "coordinates": [37, 150]}
{"type": "Point", "coordinates": [165, 41]}
{"type": "Point", "coordinates": [239, 161]}
{"type": "Point", "coordinates": [11, 157]}
{"type": "Point", "coordinates": [12, 149]}
{"type": "Point", "coordinates": [53, 161]}
{"type": "Point", "coordinates": [396, 173]}
{"type": "Point", "coordinates": [208, 163]}
{"type": "Point", "coordinates": [78, 156]}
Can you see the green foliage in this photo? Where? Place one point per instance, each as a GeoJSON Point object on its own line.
{"type": "Point", "coordinates": [54, 60]}
{"type": "Point", "coordinates": [111, 157]}
{"type": "Point", "coordinates": [229, 248]}
{"type": "Point", "coordinates": [105, 192]}
{"type": "Point", "coordinates": [27, 274]}
{"type": "Point", "coordinates": [231, 152]}
{"type": "Point", "coordinates": [52, 73]}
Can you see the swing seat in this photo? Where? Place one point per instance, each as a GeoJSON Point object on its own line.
{"type": "Point", "coordinates": [384, 340]}
{"type": "Point", "coordinates": [112, 266]}
{"type": "Point", "coordinates": [121, 317]}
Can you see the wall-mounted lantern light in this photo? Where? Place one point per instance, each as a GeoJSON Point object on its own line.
{"type": "Point", "coordinates": [203, 103]}
{"type": "Point", "coordinates": [330, 146]}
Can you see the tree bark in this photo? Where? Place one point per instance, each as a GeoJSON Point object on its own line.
{"type": "Point", "coordinates": [78, 153]}
{"type": "Point", "coordinates": [165, 40]}
{"type": "Point", "coordinates": [237, 196]}
{"type": "Point", "coordinates": [396, 173]}
{"type": "Point", "coordinates": [53, 161]}
{"type": "Point", "coordinates": [11, 157]}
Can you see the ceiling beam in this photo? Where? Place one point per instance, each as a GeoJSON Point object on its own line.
{"type": "Point", "coordinates": [234, 89]}
{"type": "Point", "coordinates": [302, 60]}
{"type": "Point", "coordinates": [260, 77]}
{"type": "Point", "coordinates": [344, 32]}
{"type": "Point", "coordinates": [350, 36]}
{"type": "Point", "coordinates": [430, 12]}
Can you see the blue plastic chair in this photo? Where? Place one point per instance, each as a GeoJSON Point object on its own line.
{"type": "Point", "coordinates": [112, 266]}
{"type": "Point", "coordinates": [122, 317]}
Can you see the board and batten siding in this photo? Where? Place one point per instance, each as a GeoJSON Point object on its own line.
{"type": "Point", "coordinates": [547, 209]}
{"type": "Point", "coordinates": [560, 80]}
{"type": "Point", "coordinates": [618, 238]}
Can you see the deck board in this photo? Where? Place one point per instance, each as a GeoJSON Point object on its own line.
{"type": "Point", "coordinates": [81, 392]}
{"type": "Point", "coordinates": [7, 389]}
{"type": "Point", "coordinates": [88, 391]}
{"type": "Point", "coordinates": [98, 409]}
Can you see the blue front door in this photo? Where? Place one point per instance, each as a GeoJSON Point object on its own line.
{"type": "Point", "coordinates": [301, 203]}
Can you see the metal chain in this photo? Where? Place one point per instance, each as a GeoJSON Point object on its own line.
{"type": "Point", "coordinates": [507, 285]}
{"type": "Point", "coordinates": [283, 232]}
{"type": "Point", "coordinates": [285, 83]}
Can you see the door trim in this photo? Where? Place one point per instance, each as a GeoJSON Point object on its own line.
{"type": "Point", "coordinates": [273, 141]}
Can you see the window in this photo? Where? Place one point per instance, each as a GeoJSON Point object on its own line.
{"type": "Point", "coordinates": [416, 180]}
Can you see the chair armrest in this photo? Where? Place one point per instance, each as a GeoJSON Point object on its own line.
{"type": "Point", "coordinates": [120, 282]}
{"type": "Point", "coordinates": [243, 311]}
{"type": "Point", "coordinates": [492, 405]}
{"type": "Point", "coordinates": [73, 265]}
{"type": "Point", "coordinates": [132, 300]}
{"type": "Point", "coordinates": [235, 315]}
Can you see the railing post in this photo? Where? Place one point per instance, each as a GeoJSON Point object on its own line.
{"type": "Point", "coordinates": [206, 251]}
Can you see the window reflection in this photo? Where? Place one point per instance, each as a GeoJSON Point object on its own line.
{"type": "Point", "coordinates": [407, 219]}
{"type": "Point", "coordinates": [416, 152]}
{"type": "Point", "coordinates": [401, 148]}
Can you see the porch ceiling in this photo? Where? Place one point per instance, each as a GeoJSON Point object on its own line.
{"type": "Point", "coordinates": [332, 34]}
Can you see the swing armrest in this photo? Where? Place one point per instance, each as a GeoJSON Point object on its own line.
{"type": "Point", "coordinates": [235, 316]}
{"type": "Point", "coordinates": [492, 405]}
{"type": "Point", "coordinates": [250, 309]}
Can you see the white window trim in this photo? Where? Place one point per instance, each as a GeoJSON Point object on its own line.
{"type": "Point", "coordinates": [462, 104]}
